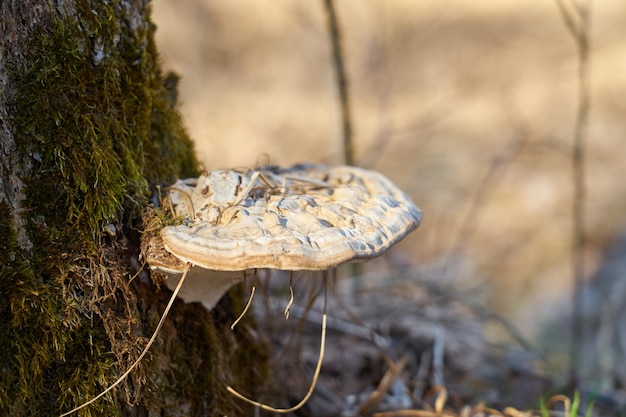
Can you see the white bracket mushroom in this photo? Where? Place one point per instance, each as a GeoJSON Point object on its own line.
{"type": "Point", "coordinates": [306, 217]}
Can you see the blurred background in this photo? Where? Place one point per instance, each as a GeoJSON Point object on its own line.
{"type": "Point", "coordinates": [469, 106]}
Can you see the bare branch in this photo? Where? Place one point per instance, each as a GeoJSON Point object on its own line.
{"type": "Point", "coordinates": [570, 18]}
{"type": "Point", "coordinates": [581, 30]}
{"type": "Point", "coordinates": [342, 81]}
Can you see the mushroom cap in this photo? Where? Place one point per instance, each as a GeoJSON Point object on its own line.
{"type": "Point", "coordinates": [306, 217]}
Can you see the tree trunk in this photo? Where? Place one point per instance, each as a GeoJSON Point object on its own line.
{"type": "Point", "coordinates": [89, 131]}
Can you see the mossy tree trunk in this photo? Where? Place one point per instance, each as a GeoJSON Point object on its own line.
{"type": "Point", "coordinates": [89, 131]}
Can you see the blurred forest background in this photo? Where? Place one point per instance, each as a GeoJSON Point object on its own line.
{"type": "Point", "coordinates": [469, 106]}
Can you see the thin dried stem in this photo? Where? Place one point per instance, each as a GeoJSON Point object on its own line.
{"type": "Point", "coordinates": [291, 295]}
{"type": "Point", "coordinates": [578, 21]}
{"type": "Point", "coordinates": [145, 350]}
{"type": "Point", "coordinates": [245, 309]}
{"type": "Point", "coordinates": [342, 81]}
{"type": "Point", "coordinates": [192, 211]}
{"type": "Point", "coordinates": [376, 397]}
{"type": "Point", "coordinates": [300, 325]}
{"type": "Point", "coordinates": [316, 373]}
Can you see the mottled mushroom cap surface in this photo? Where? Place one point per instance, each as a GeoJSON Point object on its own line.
{"type": "Point", "coordinates": [307, 217]}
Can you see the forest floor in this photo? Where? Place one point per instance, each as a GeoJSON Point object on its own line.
{"type": "Point", "coordinates": [412, 346]}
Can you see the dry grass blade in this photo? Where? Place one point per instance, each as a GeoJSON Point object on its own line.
{"type": "Point", "coordinates": [245, 309]}
{"type": "Point", "coordinates": [304, 400]}
{"type": "Point", "coordinates": [478, 410]}
{"type": "Point", "coordinates": [191, 209]}
{"type": "Point", "coordinates": [400, 413]}
{"type": "Point", "coordinates": [385, 384]}
{"type": "Point", "coordinates": [567, 403]}
{"type": "Point", "coordinates": [290, 296]}
{"type": "Point", "coordinates": [413, 413]}
{"type": "Point", "coordinates": [440, 400]}
{"type": "Point", "coordinates": [514, 412]}
{"type": "Point", "coordinates": [316, 373]}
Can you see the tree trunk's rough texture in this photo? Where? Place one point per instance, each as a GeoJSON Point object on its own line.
{"type": "Point", "coordinates": [88, 132]}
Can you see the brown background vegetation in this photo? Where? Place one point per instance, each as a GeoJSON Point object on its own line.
{"type": "Point", "coordinates": [469, 106]}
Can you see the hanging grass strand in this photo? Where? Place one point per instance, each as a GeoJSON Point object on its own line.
{"type": "Point", "coordinates": [290, 295]}
{"type": "Point", "coordinates": [316, 374]}
{"type": "Point", "coordinates": [248, 304]}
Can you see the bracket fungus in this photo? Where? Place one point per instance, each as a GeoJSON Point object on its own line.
{"type": "Point", "coordinates": [306, 217]}
{"type": "Point", "coordinates": [303, 218]}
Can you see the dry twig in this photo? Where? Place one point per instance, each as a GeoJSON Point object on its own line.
{"type": "Point", "coordinates": [385, 384]}
{"type": "Point", "coordinates": [577, 20]}
{"type": "Point", "coordinates": [342, 81]}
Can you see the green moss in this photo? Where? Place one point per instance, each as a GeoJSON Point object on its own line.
{"type": "Point", "coordinates": [95, 116]}
{"type": "Point", "coordinates": [42, 325]}
{"type": "Point", "coordinates": [99, 127]}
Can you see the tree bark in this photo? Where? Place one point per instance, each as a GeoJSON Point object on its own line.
{"type": "Point", "coordinates": [89, 132]}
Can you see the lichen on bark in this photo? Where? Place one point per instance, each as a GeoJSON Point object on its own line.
{"type": "Point", "coordinates": [95, 132]}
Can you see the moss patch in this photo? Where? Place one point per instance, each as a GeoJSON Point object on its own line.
{"type": "Point", "coordinates": [97, 122]}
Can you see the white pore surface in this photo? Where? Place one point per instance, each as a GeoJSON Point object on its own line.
{"type": "Point", "coordinates": [206, 287]}
{"type": "Point", "coordinates": [307, 217]}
